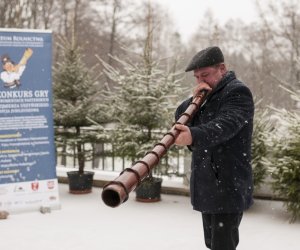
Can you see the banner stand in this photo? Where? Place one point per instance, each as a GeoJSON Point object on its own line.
{"type": "Point", "coordinates": [28, 178]}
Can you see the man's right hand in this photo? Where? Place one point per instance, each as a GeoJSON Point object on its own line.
{"type": "Point", "coordinates": [201, 86]}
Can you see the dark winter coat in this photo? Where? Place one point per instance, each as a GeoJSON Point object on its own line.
{"type": "Point", "coordinates": [221, 175]}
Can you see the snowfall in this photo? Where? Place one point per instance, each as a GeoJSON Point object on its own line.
{"type": "Point", "coordinates": [84, 222]}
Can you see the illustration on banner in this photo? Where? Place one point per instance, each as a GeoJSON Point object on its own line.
{"type": "Point", "coordinates": [12, 72]}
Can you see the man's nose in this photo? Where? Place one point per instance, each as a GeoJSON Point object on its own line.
{"type": "Point", "coordinates": [199, 80]}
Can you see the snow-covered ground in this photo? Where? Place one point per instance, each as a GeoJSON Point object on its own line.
{"type": "Point", "coordinates": [85, 223]}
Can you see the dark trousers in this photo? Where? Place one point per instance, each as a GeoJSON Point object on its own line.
{"type": "Point", "coordinates": [221, 231]}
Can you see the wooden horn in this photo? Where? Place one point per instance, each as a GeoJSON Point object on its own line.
{"type": "Point", "coordinates": [117, 191]}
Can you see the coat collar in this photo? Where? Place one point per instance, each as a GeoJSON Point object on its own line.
{"type": "Point", "coordinates": [228, 77]}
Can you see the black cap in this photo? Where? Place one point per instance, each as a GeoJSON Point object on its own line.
{"type": "Point", "coordinates": [5, 59]}
{"type": "Point", "coordinates": [205, 58]}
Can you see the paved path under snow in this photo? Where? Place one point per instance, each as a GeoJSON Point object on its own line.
{"type": "Point", "coordinates": [85, 223]}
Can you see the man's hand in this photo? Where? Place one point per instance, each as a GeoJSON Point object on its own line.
{"type": "Point", "coordinates": [201, 86]}
{"type": "Point", "coordinates": [184, 138]}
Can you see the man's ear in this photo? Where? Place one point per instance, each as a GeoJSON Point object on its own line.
{"type": "Point", "coordinates": [223, 68]}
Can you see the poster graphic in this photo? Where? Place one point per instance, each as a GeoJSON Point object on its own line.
{"type": "Point", "coordinates": [27, 152]}
{"type": "Point", "coordinates": [12, 72]}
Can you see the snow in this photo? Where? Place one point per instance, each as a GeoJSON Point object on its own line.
{"type": "Point", "coordinates": [84, 222]}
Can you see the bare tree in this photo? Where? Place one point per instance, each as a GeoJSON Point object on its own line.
{"type": "Point", "coordinates": [207, 33]}
{"type": "Point", "coordinates": [25, 13]}
{"type": "Point", "coordinates": [282, 22]}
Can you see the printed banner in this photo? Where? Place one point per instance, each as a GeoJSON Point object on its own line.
{"type": "Point", "coordinates": [27, 152]}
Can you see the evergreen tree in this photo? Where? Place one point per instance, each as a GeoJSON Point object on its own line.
{"type": "Point", "coordinates": [286, 165]}
{"type": "Point", "coordinates": [73, 99]}
{"type": "Point", "coordinates": [145, 99]}
{"type": "Point", "coordinates": [144, 104]}
{"type": "Point", "coordinates": [72, 84]}
{"type": "Point", "coordinates": [260, 146]}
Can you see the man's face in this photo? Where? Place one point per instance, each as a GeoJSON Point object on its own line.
{"type": "Point", "coordinates": [8, 66]}
{"type": "Point", "coordinates": [210, 75]}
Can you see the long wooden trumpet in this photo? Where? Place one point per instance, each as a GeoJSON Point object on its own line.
{"type": "Point", "coordinates": [117, 191]}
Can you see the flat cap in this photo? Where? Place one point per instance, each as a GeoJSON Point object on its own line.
{"type": "Point", "coordinates": [205, 58]}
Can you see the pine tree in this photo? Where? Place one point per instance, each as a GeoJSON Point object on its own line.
{"type": "Point", "coordinates": [260, 146]}
{"type": "Point", "coordinates": [72, 83]}
{"type": "Point", "coordinates": [145, 100]}
{"type": "Point", "coordinates": [73, 98]}
{"type": "Point", "coordinates": [286, 161]}
{"type": "Point", "coordinates": [142, 105]}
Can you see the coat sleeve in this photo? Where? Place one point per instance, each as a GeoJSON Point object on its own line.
{"type": "Point", "coordinates": [236, 111]}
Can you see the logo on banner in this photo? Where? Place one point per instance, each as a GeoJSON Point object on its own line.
{"type": "Point", "coordinates": [19, 188]}
{"type": "Point", "coordinates": [35, 185]}
{"type": "Point", "coordinates": [50, 184]}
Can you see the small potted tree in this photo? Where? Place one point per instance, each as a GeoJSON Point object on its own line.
{"type": "Point", "coordinates": [73, 98]}
{"type": "Point", "coordinates": [143, 107]}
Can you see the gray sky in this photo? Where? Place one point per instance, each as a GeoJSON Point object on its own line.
{"type": "Point", "coordinates": [187, 14]}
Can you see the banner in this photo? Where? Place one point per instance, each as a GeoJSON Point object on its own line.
{"type": "Point", "coordinates": [27, 151]}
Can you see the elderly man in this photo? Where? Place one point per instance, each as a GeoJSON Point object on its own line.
{"type": "Point", "coordinates": [219, 136]}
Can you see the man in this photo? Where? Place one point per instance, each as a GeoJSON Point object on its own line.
{"type": "Point", "coordinates": [219, 136]}
{"type": "Point", "coordinates": [13, 72]}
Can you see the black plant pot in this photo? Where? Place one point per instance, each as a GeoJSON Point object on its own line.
{"type": "Point", "coordinates": [149, 190]}
{"type": "Point", "coordinates": [80, 183]}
